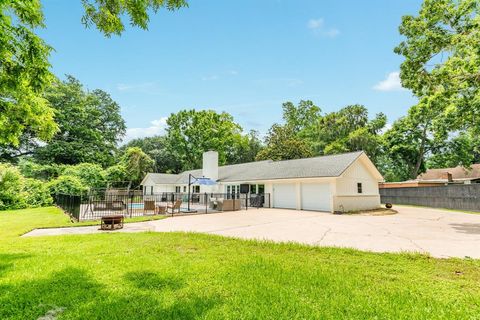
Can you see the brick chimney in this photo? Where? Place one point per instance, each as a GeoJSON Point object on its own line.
{"type": "Point", "coordinates": [447, 176]}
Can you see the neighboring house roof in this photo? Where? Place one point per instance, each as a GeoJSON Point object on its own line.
{"type": "Point", "coordinates": [458, 173]}
{"type": "Point", "coordinates": [324, 166]}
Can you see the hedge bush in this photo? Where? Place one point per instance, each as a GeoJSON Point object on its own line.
{"type": "Point", "coordinates": [11, 183]}
{"type": "Point", "coordinates": [91, 175]}
{"type": "Point", "coordinates": [36, 193]}
{"type": "Point", "coordinates": [67, 185]}
{"type": "Point", "coordinates": [31, 169]}
{"type": "Point", "coordinates": [17, 192]}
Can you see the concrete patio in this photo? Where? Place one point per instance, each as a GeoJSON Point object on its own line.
{"type": "Point", "coordinates": [438, 232]}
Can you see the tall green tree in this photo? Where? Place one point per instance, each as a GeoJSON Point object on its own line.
{"type": "Point", "coordinates": [24, 67]}
{"type": "Point", "coordinates": [411, 139]}
{"type": "Point", "coordinates": [348, 129]}
{"type": "Point", "coordinates": [461, 149]}
{"type": "Point", "coordinates": [90, 126]}
{"type": "Point", "coordinates": [301, 116]}
{"type": "Point", "coordinates": [281, 143]}
{"type": "Point", "coordinates": [191, 132]}
{"type": "Point", "coordinates": [442, 60]}
{"type": "Point", "coordinates": [137, 164]}
{"type": "Point", "coordinates": [156, 148]}
{"type": "Point", "coordinates": [247, 149]}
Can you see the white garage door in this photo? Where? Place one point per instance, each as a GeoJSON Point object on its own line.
{"type": "Point", "coordinates": [316, 196]}
{"type": "Point", "coordinates": [284, 196]}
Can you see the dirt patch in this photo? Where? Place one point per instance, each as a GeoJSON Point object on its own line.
{"type": "Point", "coordinates": [375, 212]}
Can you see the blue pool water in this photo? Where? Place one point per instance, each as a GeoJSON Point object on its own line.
{"type": "Point", "coordinates": [136, 205]}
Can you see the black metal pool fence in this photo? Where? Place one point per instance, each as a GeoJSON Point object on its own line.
{"type": "Point", "coordinates": [134, 203]}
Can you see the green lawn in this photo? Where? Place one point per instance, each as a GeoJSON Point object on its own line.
{"type": "Point", "coordinates": [186, 276]}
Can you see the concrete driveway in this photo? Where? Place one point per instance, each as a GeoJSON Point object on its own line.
{"type": "Point", "coordinates": [440, 233]}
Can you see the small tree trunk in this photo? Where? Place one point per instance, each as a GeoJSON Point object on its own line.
{"type": "Point", "coordinates": [421, 153]}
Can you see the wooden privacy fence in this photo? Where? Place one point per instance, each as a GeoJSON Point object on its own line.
{"type": "Point", "coordinates": [459, 197]}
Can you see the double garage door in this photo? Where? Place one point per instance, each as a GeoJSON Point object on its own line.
{"type": "Point", "coordinates": [313, 196]}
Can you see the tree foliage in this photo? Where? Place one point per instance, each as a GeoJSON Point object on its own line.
{"type": "Point", "coordinates": [17, 192]}
{"type": "Point", "coordinates": [24, 73]}
{"type": "Point", "coordinates": [107, 15]}
{"type": "Point", "coordinates": [137, 164]}
{"type": "Point", "coordinates": [36, 193]}
{"type": "Point", "coordinates": [191, 132]}
{"type": "Point", "coordinates": [24, 67]}
{"type": "Point", "coordinates": [442, 60]}
{"type": "Point", "coordinates": [301, 116]}
{"type": "Point", "coordinates": [45, 172]}
{"type": "Point", "coordinates": [349, 129]}
{"type": "Point", "coordinates": [282, 144]}
{"type": "Point", "coordinates": [67, 185]}
{"type": "Point", "coordinates": [91, 175]}
{"type": "Point", "coordinates": [156, 148]}
{"type": "Point", "coordinates": [90, 126]}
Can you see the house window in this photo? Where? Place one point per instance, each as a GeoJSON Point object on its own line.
{"type": "Point", "coordinates": [253, 188]}
{"type": "Point", "coordinates": [151, 190]}
{"type": "Point", "coordinates": [196, 189]}
{"type": "Point", "coordinates": [177, 189]}
{"type": "Point", "coordinates": [184, 189]}
{"type": "Point", "coordinates": [261, 189]}
{"type": "Point", "coordinates": [233, 191]}
{"type": "Point", "coordinates": [144, 189]}
{"type": "Point", "coordinates": [359, 187]}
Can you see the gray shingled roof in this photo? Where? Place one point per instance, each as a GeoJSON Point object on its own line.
{"type": "Point", "coordinates": [324, 166]}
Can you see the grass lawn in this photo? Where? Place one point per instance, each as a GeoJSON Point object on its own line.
{"type": "Point", "coordinates": [187, 276]}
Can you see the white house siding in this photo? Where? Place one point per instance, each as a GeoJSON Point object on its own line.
{"type": "Point", "coordinates": [347, 197]}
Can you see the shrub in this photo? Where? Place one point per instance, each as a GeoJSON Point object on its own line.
{"type": "Point", "coordinates": [31, 169]}
{"type": "Point", "coordinates": [11, 182]}
{"type": "Point", "coordinates": [67, 185]}
{"type": "Point", "coordinates": [36, 193]}
{"type": "Point", "coordinates": [117, 173]}
{"type": "Point", "coordinates": [91, 175]}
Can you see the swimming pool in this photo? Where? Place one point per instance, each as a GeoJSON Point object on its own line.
{"type": "Point", "coordinates": [136, 205]}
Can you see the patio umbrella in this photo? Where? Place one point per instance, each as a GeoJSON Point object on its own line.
{"type": "Point", "coordinates": [204, 181]}
{"type": "Point", "coordinates": [199, 181]}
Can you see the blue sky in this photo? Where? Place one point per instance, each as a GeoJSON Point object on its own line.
{"type": "Point", "coordinates": [244, 57]}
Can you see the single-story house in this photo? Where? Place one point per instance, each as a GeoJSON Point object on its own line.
{"type": "Point", "coordinates": [440, 177]}
{"type": "Point", "coordinates": [342, 182]}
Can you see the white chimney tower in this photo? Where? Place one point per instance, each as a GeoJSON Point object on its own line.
{"type": "Point", "coordinates": [210, 165]}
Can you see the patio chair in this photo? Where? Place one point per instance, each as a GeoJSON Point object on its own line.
{"type": "Point", "coordinates": [229, 205]}
{"type": "Point", "coordinates": [118, 205]}
{"type": "Point", "coordinates": [175, 206]}
{"type": "Point", "coordinates": [99, 205]}
{"type": "Point", "coordinates": [149, 205]}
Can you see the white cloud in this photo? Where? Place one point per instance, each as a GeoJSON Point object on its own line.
{"type": "Point", "coordinates": [319, 28]}
{"type": "Point", "coordinates": [391, 83]}
{"type": "Point", "coordinates": [315, 23]}
{"type": "Point", "coordinates": [157, 128]}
